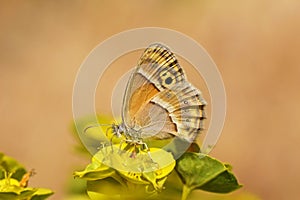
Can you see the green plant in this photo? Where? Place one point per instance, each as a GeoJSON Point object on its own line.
{"type": "Point", "coordinates": [14, 182]}
{"type": "Point", "coordinates": [159, 177]}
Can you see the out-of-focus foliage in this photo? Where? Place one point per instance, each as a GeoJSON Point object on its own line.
{"type": "Point", "coordinates": [14, 180]}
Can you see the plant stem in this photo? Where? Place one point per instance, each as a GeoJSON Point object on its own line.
{"type": "Point", "coordinates": [185, 192]}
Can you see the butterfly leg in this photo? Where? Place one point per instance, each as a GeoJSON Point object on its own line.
{"type": "Point", "coordinates": [131, 143]}
{"type": "Point", "coordinates": [145, 146]}
{"type": "Point", "coordinates": [120, 146]}
{"type": "Point", "coordinates": [102, 145]}
{"type": "Point", "coordinates": [147, 149]}
{"type": "Point", "coordinates": [102, 150]}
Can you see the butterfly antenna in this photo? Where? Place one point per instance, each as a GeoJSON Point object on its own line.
{"type": "Point", "coordinates": [109, 128]}
{"type": "Point", "coordinates": [94, 126]}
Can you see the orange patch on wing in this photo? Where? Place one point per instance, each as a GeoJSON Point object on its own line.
{"type": "Point", "coordinates": [140, 98]}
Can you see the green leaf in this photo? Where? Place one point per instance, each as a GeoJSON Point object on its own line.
{"type": "Point", "coordinates": [95, 171]}
{"type": "Point", "coordinates": [41, 193]}
{"type": "Point", "coordinates": [76, 187]}
{"type": "Point", "coordinates": [195, 171]}
{"type": "Point", "coordinates": [27, 193]}
{"type": "Point", "coordinates": [223, 183]}
{"type": "Point", "coordinates": [13, 191]}
{"type": "Point", "coordinates": [107, 188]}
{"type": "Point", "coordinates": [8, 196]}
{"type": "Point", "coordinates": [10, 165]}
{"type": "Point", "coordinates": [199, 171]}
{"type": "Point", "coordinates": [244, 195]}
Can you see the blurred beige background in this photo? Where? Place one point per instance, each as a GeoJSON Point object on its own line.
{"type": "Point", "coordinates": [254, 43]}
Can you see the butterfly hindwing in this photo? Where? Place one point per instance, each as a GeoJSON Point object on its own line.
{"type": "Point", "coordinates": [159, 101]}
{"type": "Point", "coordinates": [186, 109]}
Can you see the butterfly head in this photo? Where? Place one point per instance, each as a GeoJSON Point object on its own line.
{"type": "Point", "coordinates": [118, 130]}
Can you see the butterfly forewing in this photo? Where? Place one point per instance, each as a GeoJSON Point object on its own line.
{"type": "Point", "coordinates": [138, 112]}
{"type": "Point", "coordinates": [159, 101]}
{"type": "Point", "coordinates": [159, 65]}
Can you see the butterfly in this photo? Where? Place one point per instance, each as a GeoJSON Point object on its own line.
{"type": "Point", "coordinates": [159, 102]}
